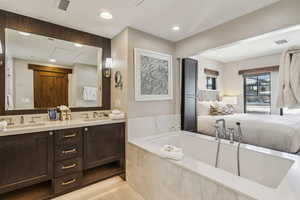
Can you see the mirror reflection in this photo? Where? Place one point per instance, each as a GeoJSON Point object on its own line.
{"type": "Point", "coordinates": [43, 72]}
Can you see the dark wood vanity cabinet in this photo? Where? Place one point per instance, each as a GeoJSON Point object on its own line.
{"type": "Point", "coordinates": [25, 160]}
{"type": "Point", "coordinates": [189, 95]}
{"type": "Point", "coordinates": [43, 165]}
{"type": "Point", "coordinates": [103, 144]}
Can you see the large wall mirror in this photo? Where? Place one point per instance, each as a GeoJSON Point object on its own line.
{"type": "Point", "coordinates": [43, 72]}
{"type": "Point", "coordinates": [44, 65]}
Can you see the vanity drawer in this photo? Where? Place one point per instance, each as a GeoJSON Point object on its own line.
{"type": "Point", "coordinates": [67, 183]}
{"type": "Point", "coordinates": [68, 136]}
{"type": "Point", "coordinates": [64, 152]}
{"type": "Point", "coordinates": [67, 167]}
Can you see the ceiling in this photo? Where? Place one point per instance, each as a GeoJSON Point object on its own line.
{"type": "Point", "coordinates": [156, 17]}
{"type": "Point", "coordinates": [42, 49]}
{"type": "Point", "coordinates": [258, 46]}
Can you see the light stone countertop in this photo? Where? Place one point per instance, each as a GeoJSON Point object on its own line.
{"type": "Point", "coordinates": [56, 125]}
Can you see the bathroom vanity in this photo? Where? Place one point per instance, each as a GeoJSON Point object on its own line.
{"type": "Point", "coordinates": [44, 65]}
{"type": "Point", "coordinates": [43, 164]}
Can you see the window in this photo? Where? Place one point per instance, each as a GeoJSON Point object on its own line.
{"type": "Point", "coordinates": [257, 93]}
{"type": "Point", "coordinates": [211, 83]}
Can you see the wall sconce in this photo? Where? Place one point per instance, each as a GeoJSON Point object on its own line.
{"type": "Point", "coordinates": [118, 80]}
{"type": "Point", "coordinates": [107, 69]}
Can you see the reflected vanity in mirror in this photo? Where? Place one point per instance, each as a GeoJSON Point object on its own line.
{"type": "Point", "coordinates": [43, 72]}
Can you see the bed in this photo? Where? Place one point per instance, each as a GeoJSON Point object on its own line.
{"type": "Point", "coordinates": [276, 132]}
{"type": "Point", "coordinates": [281, 133]}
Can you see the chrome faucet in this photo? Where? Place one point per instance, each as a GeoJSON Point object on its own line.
{"type": "Point", "coordinates": [223, 135]}
{"type": "Point", "coordinates": [217, 132]}
{"type": "Point", "coordinates": [239, 132]}
{"type": "Point", "coordinates": [231, 135]}
{"type": "Point", "coordinates": [22, 119]}
{"type": "Point", "coordinates": [95, 115]}
{"type": "Point", "coordinates": [239, 138]}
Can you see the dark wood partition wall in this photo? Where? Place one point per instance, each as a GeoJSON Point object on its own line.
{"type": "Point", "coordinates": [189, 95]}
{"type": "Point", "coordinates": [35, 26]}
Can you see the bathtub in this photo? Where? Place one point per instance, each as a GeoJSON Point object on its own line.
{"type": "Point", "coordinates": [265, 174]}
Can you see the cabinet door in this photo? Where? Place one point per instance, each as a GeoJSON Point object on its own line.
{"type": "Point", "coordinates": [189, 95]}
{"type": "Point", "coordinates": [25, 160]}
{"type": "Point", "coordinates": [103, 144]}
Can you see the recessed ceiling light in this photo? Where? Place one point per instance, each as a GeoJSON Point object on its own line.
{"type": "Point", "coordinates": [176, 28]}
{"type": "Point", "coordinates": [52, 60]}
{"type": "Point", "coordinates": [24, 33]}
{"type": "Point", "coordinates": [106, 15]}
{"type": "Point", "coordinates": [78, 45]}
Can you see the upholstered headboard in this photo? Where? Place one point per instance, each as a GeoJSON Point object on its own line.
{"type": "Point", "coordinates": [208, 95]}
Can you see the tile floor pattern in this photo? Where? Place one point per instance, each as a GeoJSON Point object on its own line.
{"type": "Point", "coordinates": [123, 192]}
{"type": "Point", "coordinates": [110, 189]}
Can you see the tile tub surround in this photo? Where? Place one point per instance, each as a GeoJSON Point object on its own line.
{"type": "Point", "coordinates": [156, 178]}
{"type": "Point", "coordinates": [150, 126]}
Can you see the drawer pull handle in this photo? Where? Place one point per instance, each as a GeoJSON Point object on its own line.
{"type": "Point", "coordinates": [69, 166]}
{"type": "Point", "coordinates": [69, 151]}
{"type": "Point", "coordinates": [69, 182]}
{"type": "Point", "coordinates": [70, 136]}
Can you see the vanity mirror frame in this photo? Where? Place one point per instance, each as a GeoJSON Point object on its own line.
{"type": "Point", "coordinates": [35, 26]}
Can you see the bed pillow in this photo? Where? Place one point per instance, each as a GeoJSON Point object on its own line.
{"type": "Point", "coordinates": [219, 108]}
{"type": "Point", "coordinates": [203, 107]}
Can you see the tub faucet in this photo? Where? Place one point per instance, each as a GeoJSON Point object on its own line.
{"type": "Point", "coordinates": [217, 129]}
{"type": "Point", "coordinates": [223, 135]}
{"type": "Point", "coordinates": [231, 135]}
{"type": "Point", "coordinates": [239, 137]}
{"type": "Point", "coordinates": [239, 132]}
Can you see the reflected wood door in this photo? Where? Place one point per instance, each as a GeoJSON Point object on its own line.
{"type": "Point", "coordinates": [50, 89]}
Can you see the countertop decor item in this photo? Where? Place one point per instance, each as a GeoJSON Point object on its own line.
{"type": "Point", "coordinates": [64, 113]}
{"type": "Point", "coordinates": [153, 75]}
{"type": "Point", "coordinates": [52, 114]}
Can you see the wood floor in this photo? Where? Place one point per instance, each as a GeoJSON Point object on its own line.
{"type": "Point", "coordinates": [111, 189]}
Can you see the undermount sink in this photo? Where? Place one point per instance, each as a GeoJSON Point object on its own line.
{"type": "Point", "coordinates": [95, 119]}
{"type": "Point", "coordinates": [25, 125]}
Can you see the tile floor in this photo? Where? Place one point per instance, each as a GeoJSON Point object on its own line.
{"type": "Point", "coordinates": [111, 189]}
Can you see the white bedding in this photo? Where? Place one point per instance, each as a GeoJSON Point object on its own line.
{"type": "Point", "coordinates": [281, 133]}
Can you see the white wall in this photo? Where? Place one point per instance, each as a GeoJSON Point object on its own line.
{"type": "Point", "coordinates": [119, 53]}
{"type": "Point", "coordinates": [209, 64]}
{"type": "Point", "coordinates": [83, 75]}
{"type": "Point", "coordinates": [233, 82]}
{"type": "Point", "coordinates": [139, 39]}
{"type": "Point", "coordinates": [279, 15]}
